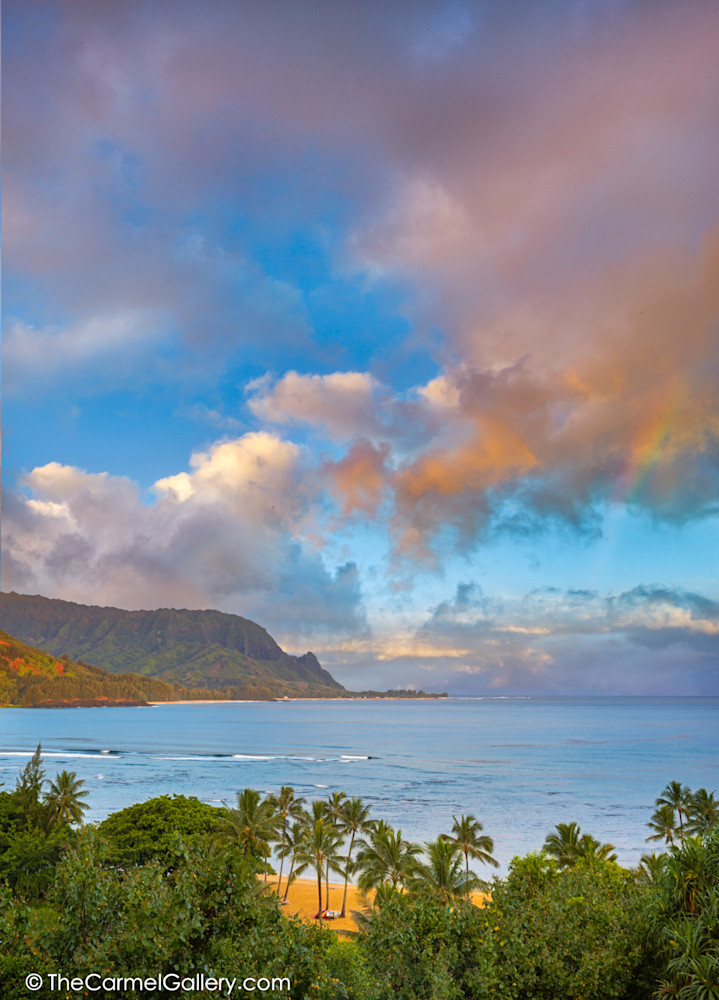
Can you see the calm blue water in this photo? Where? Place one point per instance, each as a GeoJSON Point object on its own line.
{"type": "Point", "coordinates": [521, 765]}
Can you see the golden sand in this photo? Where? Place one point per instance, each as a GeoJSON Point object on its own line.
{"type": "Point", "coordinates": [302, 901]}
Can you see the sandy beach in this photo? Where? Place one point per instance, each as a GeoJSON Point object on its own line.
{"type": "Point", "coordinates": [302, 901]}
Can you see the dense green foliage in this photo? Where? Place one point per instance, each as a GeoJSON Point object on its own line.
{"type": "Point", "coordinates": [30, 677]}
{"type": "Point", "coordinates": [563, 933]}
{"type": "Point", "coordinates": [196, 649]}
{"type": "Point", "coordinates": [684, 917]}
{"type": "Point", "coordinates": [174, 885]}
{"type": "Point", "coordinates": [208, 914]}
{"type": "Point", "coordinates": [423, 948]}
{"type": "Point", "coordinates": [546, 933]}
{"type": "Point", "coordinates": [34, 828]}
{"type": "Point", "coordinates": [148, 829]}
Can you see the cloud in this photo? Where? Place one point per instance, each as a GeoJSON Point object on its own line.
{"type": "Point", "coordinates": [650, 640]}
{"type": "Point", "coordinates": [496, 158]}
{"type": "Point", "coordinates": [162, 304]}
{"type": "Point", "coordinates": [537, 185]}
{"type": "Point", "coordinates": [342, 404]}
{"type": "Point", "coordinates": [35, 352]}
{"type": "Point", "coordinates": [523, 195]}
{"type": "Point", "coordinates": [226, 534]}
{"type": "Point", "coordinates": [515, 448]}
{"type": "Point", "coordinates": [360, 478]}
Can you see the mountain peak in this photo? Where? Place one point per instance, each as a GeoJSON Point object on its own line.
{"type": "Point", "coordinates": [209, 649]}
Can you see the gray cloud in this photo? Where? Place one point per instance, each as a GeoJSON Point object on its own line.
{"type": "Point", "coordinates": [650, 640]}
{"type": "Point", "coordinates": [229, 534]}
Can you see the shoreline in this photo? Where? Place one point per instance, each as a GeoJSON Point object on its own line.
{"type": "Point", "coordinates": [280, 701]}
{"type": "Point", "coordinates": [302, 901]}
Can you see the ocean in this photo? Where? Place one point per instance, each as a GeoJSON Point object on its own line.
{"type": "Point", "coordinates": [520, 765]}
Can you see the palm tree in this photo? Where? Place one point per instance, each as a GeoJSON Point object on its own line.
{"type": "Point", "coordinates": [677, 796]}
{"type": "Point", "coordinates": [590, 849]}
{"type": "Point", "coordinates": [333, 811]}
{"type": "Point", "coordinates": [468, 836]}
{"type": "Point", "coordinates": [252, 823]}
{"type": "Point", "coordinates": [333, 806]}
{"type": "Point", "coordinates": [652, 865]}
{"type": "Point", "coordinates": [318, 809]}
{"type": "Point", "coordinates": [664, 823]}
{"type": "Point", "coordinates": [355, 819]}
{"type": "Point", "coordinates": [568, 847]}
{"type": "Point", "coordinates": [288, 806]}
{"type": "Point", "coordinates": [295, 837]}
{"type": "Point", "coordinates": [702, 812]}
{"type": "Point", "coordinates": [317, 850]}
{"type": "Point", "coordinates": [65, 798]}
{"type": "Point", "coordinates": [687, 868]}
{"type": "Point", "coordinates": [563, 844]}
{"type": "Point", "coordinates": [387, 857]}
{"type": "Point", "coordinates": [443, 872]}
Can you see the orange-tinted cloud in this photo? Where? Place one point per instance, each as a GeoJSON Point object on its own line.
{"type": "Point", "coordinates": [360, 478]}
{"type": "Point", "coordinates": [632, 417]}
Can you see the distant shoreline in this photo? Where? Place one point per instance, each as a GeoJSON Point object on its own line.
{"type": "Point", "coordinates": [280, 701]}
{"type": "Point", "coordinates": [101, 703]}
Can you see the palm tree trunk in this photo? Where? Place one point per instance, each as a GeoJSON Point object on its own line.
{"type": "Point", "coordinates": [347, 874]}
{"type": "Point", "coordinates": [287, 889]}
{"type": "Point", "coordinates": [282, 857]}
{"type": "Point", "coordinates": [327, 884]}
{"type": "Point", "coordinates": [282, 865]}
{"type": "Point", "coordinates": [319, 889]}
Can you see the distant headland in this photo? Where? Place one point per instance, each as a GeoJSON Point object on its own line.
{"type": "Point", "coordinates": [57, 654]}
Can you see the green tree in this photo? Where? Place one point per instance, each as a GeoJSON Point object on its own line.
{"type": "Point", "coordinates": [684, 918]}
{"type": "Point", "coordinates": [703, 811]}
{"type": "Point", "coordinates": [651, 865]}
{"type": "Point", "coordinates": [207, 912]}
{"type": "Point", "coordinates": [443, 874]}
{"type": "Point", "coordinates": [295, 838]}
{"type": "Point", "coordinates": [467, 833]}
{"type": "Point", "coordinates": [678, 797]}
{"type": "Point", "coordinates": [319, 850]}
{"type": "Point", "coordinates": [288, 806]}
{"type": "Point", "coordinates": [28, 789]}
{"type": "Point", "coordinates": [386, 857]}
{"type": "Point", "coordinates": [422, 948]}
{"type": "Point", "coordinates": [146, 830]}
{"type": "Point", "coordinates": [563, 844]}
{"type": "Point", "coordinates": [562, 934]}
{"type": "Point", "coordinates": [252, 824]}
{"type": "Point", "coordinates": [568, 845]}
{"type": "Point", "coordinates": [355, 819]}
{"type": "Point", "coordinates": [664, 824]}
{"type": "Point", "coordinates": [333, 811]}
{"type": "Point", "coordinates": [64, 799]}
{"type": "Point", "coordinates": [589, 849]}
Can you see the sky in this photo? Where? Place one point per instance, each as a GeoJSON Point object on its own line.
{"type": "Point", "coordinates": [392, 327]}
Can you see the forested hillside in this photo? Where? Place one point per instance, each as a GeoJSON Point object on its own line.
{"type": "Point", "coordinates": [226, 653]}
{"type": "Point", "coordinates": [30, 677]}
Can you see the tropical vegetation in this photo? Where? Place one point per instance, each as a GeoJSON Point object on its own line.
{"type": "Point", "coordinates": [175, 884]}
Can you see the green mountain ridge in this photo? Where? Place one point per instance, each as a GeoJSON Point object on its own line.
{"type": "Point", "coordinates": [227, 654]}
{"type": "Point", "coordinates": [30, 677]}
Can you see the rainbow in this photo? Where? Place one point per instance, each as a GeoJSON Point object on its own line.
{"type": "Point", "coordinates": [650, 442]}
